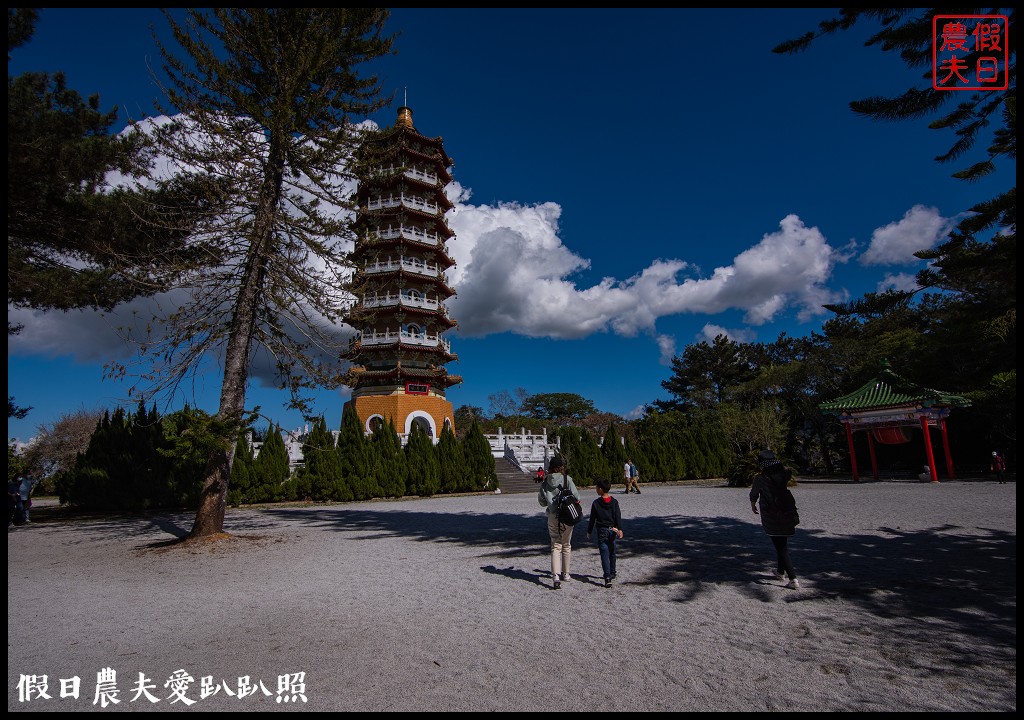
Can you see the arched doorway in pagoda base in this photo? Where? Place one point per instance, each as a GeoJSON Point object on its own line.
{"type": "Point", "coordinates": [888, 409]}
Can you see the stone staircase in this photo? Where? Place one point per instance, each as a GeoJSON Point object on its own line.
{"type": "Point", "coordinates": [511, 479]}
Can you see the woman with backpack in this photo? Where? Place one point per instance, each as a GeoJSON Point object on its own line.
{"type": "Point", "coordinates": [779, 516]}
{"type": "Point", "coordinates": [559, 532]}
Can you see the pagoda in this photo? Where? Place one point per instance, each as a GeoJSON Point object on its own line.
{"type": "Point", "coordinates": [398, 354]}
{"type": "Point", "coordinates": [887, 408]}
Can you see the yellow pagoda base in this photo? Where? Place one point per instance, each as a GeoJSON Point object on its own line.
{"type": "Point", "coordinates": [404, 409]}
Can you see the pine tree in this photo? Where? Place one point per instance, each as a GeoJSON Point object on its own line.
{"type": "Point", "coordinates": [968, 291]}
{"type": "Point", "coordinates": [150, 473]}
{"type": "Point", "coordinates": [613, 453]}
{"type": "Point", "coordinates": [241, 473]}
{"type": "Point", "coordinates": [424, 470]}
{"type": "Point", "coordinates": [583, 458]}
{"type": "Point", "coordinates": [121, 491]}
{"type": "Point", "coordinates": [480, 466]}
{"type": "Point", "coordinates": [353, 456]}
{"type": "Point", "coordinates": [710, 442]}
{"type": "Point", "coordinates": [321, 471]}
{"type": "Point", "coordinates": [705, 375]}
{"type": "Point", "coordinates": [72, 241]}
{"type": "Point", "coordinates": [101, 479]}
{"type": "Point", "coordinates": [454, 476]}
{"type": "Point", "coordinates": [390, 460]}
{"type": "Point", "coordinates": [188, 436]}
{"type": "Point", "coordinates": [267, 98]}
{"type": "Point", "coordinates": [271, 468]}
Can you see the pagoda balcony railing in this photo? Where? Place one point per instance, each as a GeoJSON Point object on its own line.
{"type": "Point", "coordinates": [406, 338]}
{"type": "Point", "coordinates": [422, 176]}
{"type": "Point", "coordinates": [372, 301]}
{"type": "Point", "coordinates": [409, 233]}
{"type": "Point", "coordinates": [413, 173]}
{"type": "Point", "coordinates": [410, 201]}
{"type": "Point", "coordinates": [412, 265]}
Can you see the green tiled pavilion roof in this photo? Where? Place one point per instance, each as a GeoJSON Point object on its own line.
{"type": "Point", "coordinates": [886, 390]}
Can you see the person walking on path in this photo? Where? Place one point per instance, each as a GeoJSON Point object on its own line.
{"type": "Point", "coordinates": [606, 516]}
{"type": "Point", "coordinates": [998, 467]}
{"type": "Point", "coordinates": [559, 532]}
{"type": "Point", "coordinates": [14, 516]}
{"type": "Point", "coordinates": [626, 476]}
{"type": "Point", "coordinates": [633, 484]}
{"type": "Point", "coordinates": [25, 490]}
{"type": "Point", "coordinates": [779, 516]}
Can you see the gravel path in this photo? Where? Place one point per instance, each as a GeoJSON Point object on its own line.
{"type": "Point", "coordinates": [445, 604]}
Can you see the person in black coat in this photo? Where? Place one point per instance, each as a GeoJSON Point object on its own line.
{"type": "Point", "coordinates": [779, 516]}
{"type": "Point", "coordinates": [606, 515]}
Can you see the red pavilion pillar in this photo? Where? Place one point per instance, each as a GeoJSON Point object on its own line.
{"type": "Point", "coordinates": [945, 447]}
{"type": "Point", "coordinates": [930, 455]}
{"type": "Point", "coordinates": [871, 452]}
{"type": "Point", "coordinates": [853, 453]}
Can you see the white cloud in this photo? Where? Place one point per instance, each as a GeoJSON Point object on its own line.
{"type": "Point", "coordinates": [921, 228]}
{"type": "Point", "coordinates": [93, 336]}
{"type": "Point", "coordinates": [634, 414]}
{"type": "Point", "coordinates": [667, 349]}
{"type": "Point", "coordinates": [710, 331]}
{"type": "Point", "coordinates": [515, 275]}
{"type": "Point", "coordinates": [898, 281]}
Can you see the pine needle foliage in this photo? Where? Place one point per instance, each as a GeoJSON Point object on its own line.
{"type": "Point", "coordinates": [268, 101]}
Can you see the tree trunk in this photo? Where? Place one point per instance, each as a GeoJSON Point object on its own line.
{"type": "Point", "coordinates": [210, 515]}
{"type": "Point", "coordinates": [826, 453]}
{"type": "Point", "coordinates": [213, 501]}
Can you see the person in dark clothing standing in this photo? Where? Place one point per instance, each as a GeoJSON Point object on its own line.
{"type": "Point", "coordinates": [779, 516]}
{"type": "Point", "coordinates": [998, 467]}
{"type": "Point", "coordinates": [607, 517]}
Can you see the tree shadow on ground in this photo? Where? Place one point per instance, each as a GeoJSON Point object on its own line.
{"type": "Point", "coordinates": [944, 576]}
{"type": "Point", "coordinates": [937, 579]}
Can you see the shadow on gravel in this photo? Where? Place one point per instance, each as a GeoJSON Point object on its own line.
{"type": "Point", "coordinates": [942, 580]}
{"type": "Point", "coordinates": [935, 578]}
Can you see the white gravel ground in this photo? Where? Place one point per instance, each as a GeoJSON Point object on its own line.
{"type": "Point", "coordinates": [445, 604]}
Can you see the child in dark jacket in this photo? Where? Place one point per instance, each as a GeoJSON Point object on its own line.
{"type": "Point", "coordinates": [605, 514]}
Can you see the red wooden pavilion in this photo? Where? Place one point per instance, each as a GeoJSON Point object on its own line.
{"type": "Point", "coordinates": [887, 408]}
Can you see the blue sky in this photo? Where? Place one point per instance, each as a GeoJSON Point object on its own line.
{"type": "Point", "coordinates": [627, 182]}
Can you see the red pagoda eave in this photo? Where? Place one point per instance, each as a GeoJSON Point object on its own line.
{"type": "Point", "coordinates": [399, 210]}
{"type": "Point", "coordinates": [439, 375]}
{"type": "Point", "coordinates": [436, 143]}
{"type": "Point", "coordinates": [378, 349]}
{"type": "Point", "coordinates": [404, 145]}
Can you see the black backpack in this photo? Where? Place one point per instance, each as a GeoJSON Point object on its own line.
{"type": "Point", "coordinates": [567, 506]}
{"type": "Point", "coordinates": [781, 505]}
